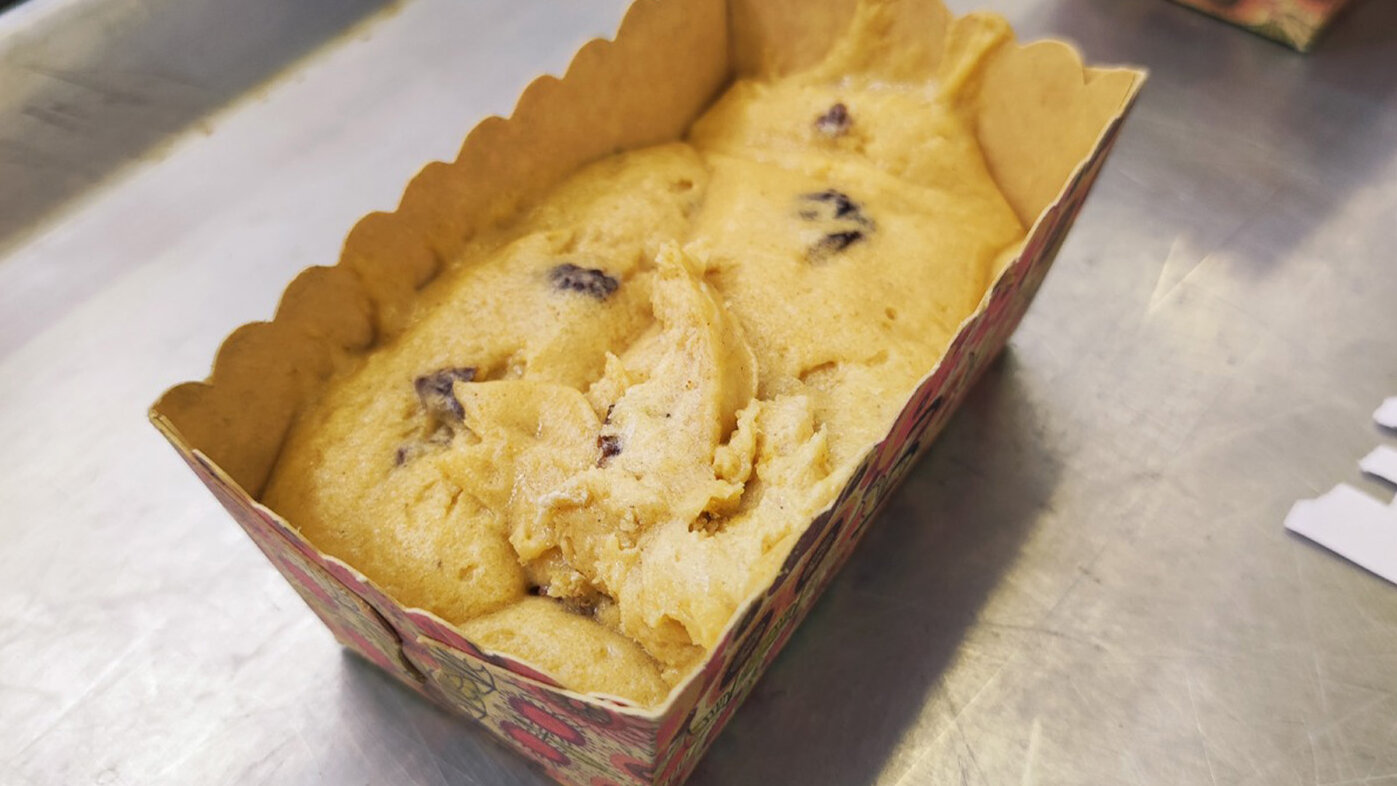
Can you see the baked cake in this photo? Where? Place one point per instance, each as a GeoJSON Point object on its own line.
{"type": "Point", "coordinates": [602, 427]}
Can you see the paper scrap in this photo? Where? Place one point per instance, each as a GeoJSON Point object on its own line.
{"type": "Point", "coordinates": [1387, 413]}
{"type": "Point", "coordinates": [1382, 462]}
{"type": "Point", "coordinates": [1351, 524]}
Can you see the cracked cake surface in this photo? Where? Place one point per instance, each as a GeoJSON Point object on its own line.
{"type": "Point", "coordinates": [605, 423]}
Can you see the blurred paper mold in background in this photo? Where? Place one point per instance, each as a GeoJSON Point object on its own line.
{"type": "Point", "coordinates": [1295, 23]}
{"type": "Point", "coordinates": [1045, 124]}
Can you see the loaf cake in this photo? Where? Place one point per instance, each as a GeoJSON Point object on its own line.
{"type": "Point", "coordinates": [604, 423]}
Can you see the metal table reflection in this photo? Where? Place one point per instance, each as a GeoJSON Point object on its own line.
{"type": "Point", "coordinates": [1085, 580]}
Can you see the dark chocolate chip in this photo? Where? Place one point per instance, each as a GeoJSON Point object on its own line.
{"type": "Point", "coordinates": [838, 241]}
{"type": "Point", "coordinates": [835, 121]}
{"type": "Point", "coordinates": [833, 243]}
{"type": "Point", "coordinates": [568, 277]}
{"type": "Point", "coordinates": [609, 445]}
{"type": "Point", "coordinates": [435, 392]}
{"type": "Point", "coordinates": [844, 207]}
{"type": "Point", "coordinates": [411, 451]}
{"type": "Point", "coordinates": [839, 204]}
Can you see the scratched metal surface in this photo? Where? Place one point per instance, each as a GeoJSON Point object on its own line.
{"type": "Point", "coordinates": [1085, 581]}
{"type": "Point", "coordinates": [88, 87]}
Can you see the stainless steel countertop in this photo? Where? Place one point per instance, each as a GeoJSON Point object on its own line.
{"type": "Point", "coordinates": [1086, 580]}
{"type": "Point", "coordinates": [88, 86]}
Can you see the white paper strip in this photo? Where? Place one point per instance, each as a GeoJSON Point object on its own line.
{"type": "Point", "coordinates": [1382, 462]}
{"type": "Point", "coordinates": [1387, 413]}
{"type": "Point", "coordinates": [1351, 524]}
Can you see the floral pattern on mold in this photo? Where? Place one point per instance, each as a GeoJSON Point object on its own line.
{"type": "Point", "coordinates": [1296, 23]}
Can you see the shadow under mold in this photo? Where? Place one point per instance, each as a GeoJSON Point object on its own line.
{"type": "Point", "coordinates": [406, 734]}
